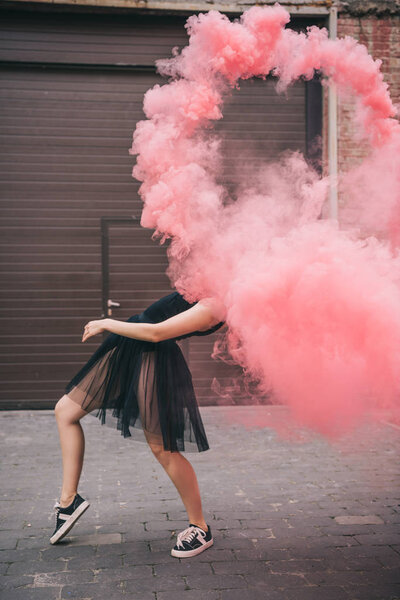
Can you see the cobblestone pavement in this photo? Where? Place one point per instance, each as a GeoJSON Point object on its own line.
{"type": "Point", "coordinates": [291, 520]}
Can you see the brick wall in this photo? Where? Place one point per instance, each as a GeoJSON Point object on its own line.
{"type": "Point", "coordinates": [381, 36]}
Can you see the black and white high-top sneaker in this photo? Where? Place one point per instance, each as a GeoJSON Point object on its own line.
{"type": "Point", "coordinates": [192, 541]}
{"type": "Point", "coordinates": [67, 516]}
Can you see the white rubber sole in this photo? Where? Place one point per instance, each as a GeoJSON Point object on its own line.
{"type": "Point", "coordinates": [189, 553]}
{"type": "Point", "coordinates": [69, 523]}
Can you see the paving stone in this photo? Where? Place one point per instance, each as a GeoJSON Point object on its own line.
{"type": "Point", "coordinates": [33, 593]}
{"type": "Point", "coordinates": [297, 566]}
{"type": "Point", "coordinates": [7, 540]}
{"type": "Point", "coordinates": [185, 567]}
{"type": "Point", "coordinates": [122, 573]}
{"type": "Point", "coordinates": [380, 552]}
{"type": "Point", "coordinates": [368, 592]}
{"type": "Point", "coordinates": [65, 551]}
{"type": "Point", "coordinates": [343, 578]}
{"type": "Point", "coordinates": [147, 558]}
{"type": "Point", "coordinates": [215, 555]}
{"type": "Point", "coordinates": [189, 595]}
{"type": "Point", "coordinates": [16, 555]}
{"type": "Point", "coordinates": [94, 562]}
{"type": "Point", "coordinates": [211, 582]}
{"type": "Point", "coordinates": [63, 578]}
{"type": "Point", "coordinates": [123, 549]}
{"type": "Point", "coordinates": [94, 539]}
{"type": "Point", "coordinates": [9, 582]}
{"type": "Point", "coordinates": [249, 534]}
{"type": "Point", "coordinates": [37, 566]}
{"type": "Point", "coordinates": [347, 530]}
{"type": "Point", "coordinates": [167, 526]}
{"type": "Point", "coordinates": [150, 536]}
{"type": "Point", "coordinates": [93, 591]}
{"type": "Point", "coordinates": [354, 564]}
{"type": "Point", "coordinates": [129, 595]}
{"type": "Point", "coordinates": [326, 592]}
{"type": "Point", "coordinates": [35, 542]}
{"type": "Point", "coordinates": [309, 521]}
{"type": "Point", "coordinates": [358, 519]}
{"type": "Point", "coordinates": [259, 552]}
{"type": "Point", "coordinates": [252, 593]}
{"type": "Point", "coordinates": [162, 584]}
{"type": "Point", "coordinates": [276, 580]}
{"type": "Point", "coordinates": [376, 539]}
{"type": "Point", "coordinates": [240, 567]}
{"type": "Point", "coordinates": [221, 524]}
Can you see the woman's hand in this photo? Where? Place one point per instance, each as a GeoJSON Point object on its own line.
{"type": "Point", "coordinates": [93, 328]}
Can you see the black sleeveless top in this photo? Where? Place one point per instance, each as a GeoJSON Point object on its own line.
{"type": "Point", "coordinates": [168, 306]}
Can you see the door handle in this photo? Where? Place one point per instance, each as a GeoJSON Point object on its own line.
{"type": "Point", "coordinates": [110, 304]}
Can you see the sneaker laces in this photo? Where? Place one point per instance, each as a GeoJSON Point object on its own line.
{"type": "Point", "coordinates": [187, 535]}
{"type": "Point", "coordinates": [57, 507]}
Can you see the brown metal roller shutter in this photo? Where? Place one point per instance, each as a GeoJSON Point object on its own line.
{"type": "Point", "coordinates": [71, 93]}
{"type": "Point", "coordinates": [257, 125]}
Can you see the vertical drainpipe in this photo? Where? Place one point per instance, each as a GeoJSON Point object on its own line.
{"type": "Point", "coordinates": [332, 128]}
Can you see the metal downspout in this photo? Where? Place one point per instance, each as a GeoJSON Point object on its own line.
{"type": "Point", "coordinates": [332, 128]}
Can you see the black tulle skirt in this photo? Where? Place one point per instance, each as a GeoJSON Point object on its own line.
{"type": "Point", "coordinates": [143, 389]}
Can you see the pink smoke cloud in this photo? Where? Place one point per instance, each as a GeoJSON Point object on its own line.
{"type": "Point", "coordinates": [313, 306]}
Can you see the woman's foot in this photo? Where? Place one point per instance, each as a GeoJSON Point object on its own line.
{"type": "Point", "coordinates": [67, 516]}
{"type": "Point", "coordinates": [192, 541]}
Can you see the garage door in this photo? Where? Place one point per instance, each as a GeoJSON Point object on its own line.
{"type": "Point", "coordinates": [71, 93]}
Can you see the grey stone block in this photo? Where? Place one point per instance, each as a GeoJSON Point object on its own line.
{"type": "Point", "coordinates": [252, 593]}
{"type": "Point", "coordinates": [65, 551]}
{"type": "Point", "coordinates": [123, 573]}
{"type": "Point", "coordinates": [36, 566]}
{"type": "Point", "coordinates": [9, 582]}
{"type": "Point", "coordinates": [358, 519]}
{"type": "Point", "coordinates": [8, 540]}
{"type": "Point", "coordinates": [39, 542]}
{"type": "Point", "coordinates": [240, 567]}
{"type": "Point", "coordinates": [326, 592]}
{"type": "Point", "coordinates": [20, 555]}
{"type": "Point", "coordinates": [184, 567]}
{"type": "Point", "coordinates": [123, 549]}
{"type": "Point", "coordinates": [32, 593]}
{"type": "Point", "coordinates": [214, 582]}
{"type": "Point", "coordinates": [261, 552]}
{"type": "Point", "coordinates": [276, 581]}
{"type": "Point", "coordinates": [94, 591]}
{"type": "Point", "coordinates": [298, 565]}
{"type": "Point", "coordinates": [63, 578]}
{"type": "Point", "coordinates": [379, 539]}
{"type": "Point", "coordinates": [147, 558]}
{"type": "Point", "coordinates": [95, 562]}
{"type": "Point", "coordinates": [189, 595]}
{"type": "Point", "coordinates": [368, 592]}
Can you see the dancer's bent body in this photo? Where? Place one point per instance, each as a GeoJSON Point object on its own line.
{"type": "Point", "coordinates": [147, 340]}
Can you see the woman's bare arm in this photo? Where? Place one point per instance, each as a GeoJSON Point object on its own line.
{"type": "Point", "coordinates": [198, 317]}
{"type": "Point", "coordinates": [138, 331]}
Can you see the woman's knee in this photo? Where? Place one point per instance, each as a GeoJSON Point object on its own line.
{"type": "Point", "coordinates": [163, 456]}
{"type": "Point", "coordinates": [67, 411]}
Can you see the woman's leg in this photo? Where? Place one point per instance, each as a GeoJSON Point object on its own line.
{"type": "Point", "coordinates": [184, 478]}
{"type": "Point", "coordinates": [72, 441]}
{"type": "Point", "coordinates": [177, 466]}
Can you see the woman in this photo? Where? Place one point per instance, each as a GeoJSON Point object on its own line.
{"type": "Point", "coordinates": [138, 378]}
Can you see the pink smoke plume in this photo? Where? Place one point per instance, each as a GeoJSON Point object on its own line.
{"type": "Point", "coordinates": [312, 306]}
